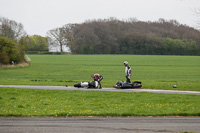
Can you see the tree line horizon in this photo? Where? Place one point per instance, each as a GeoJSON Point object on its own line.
{"type": "Point", "coordinates": [102, 36]}
{"type": "Point", "coordinates": [113, 36]}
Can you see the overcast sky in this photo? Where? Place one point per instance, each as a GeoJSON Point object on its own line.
{"type": "Point", "coordinates": [39, 16]}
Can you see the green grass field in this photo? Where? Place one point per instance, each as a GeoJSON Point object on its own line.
{"type": "Point", "coordinates": [25, 102]}
{"type": "Point", "coordinates": [156, 72]}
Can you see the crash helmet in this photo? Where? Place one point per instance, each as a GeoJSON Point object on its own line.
{"type": "Point", "coordinates": [125, 63]}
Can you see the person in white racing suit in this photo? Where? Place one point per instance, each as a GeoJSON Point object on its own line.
{"type": "Point", "coordinates": [127, 72]}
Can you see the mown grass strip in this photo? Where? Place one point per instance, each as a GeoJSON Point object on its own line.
{"type": "Point", "coordinates": [23, 102]}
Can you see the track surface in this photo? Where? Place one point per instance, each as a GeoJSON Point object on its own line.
{"type": "Point", "coordinates": [99, 124]}
{"type": "Point", "coordinates": [104, 89]}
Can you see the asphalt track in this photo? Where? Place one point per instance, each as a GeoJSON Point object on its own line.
{"type": "Point", "coordinates": [99, 124]}
{"type": "Point", "coordinates": [104, 89]}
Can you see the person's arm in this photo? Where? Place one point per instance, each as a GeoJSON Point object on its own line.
{"type": "Point", "coordinates": [100, 78]}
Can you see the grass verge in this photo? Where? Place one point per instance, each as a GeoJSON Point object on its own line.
{"type": "Point", "coordinates": [25, 102]}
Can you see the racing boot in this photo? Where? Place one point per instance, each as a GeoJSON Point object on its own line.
{"type": "Point", "coordinates": [100, 87]}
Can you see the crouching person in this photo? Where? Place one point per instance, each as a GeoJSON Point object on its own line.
{"type": "Point", "coordinates": [98, 78]}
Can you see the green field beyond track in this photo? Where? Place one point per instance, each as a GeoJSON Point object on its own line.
{"type": "Point", "coordinates": [156, 72]}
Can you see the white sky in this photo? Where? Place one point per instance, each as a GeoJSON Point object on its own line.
{"type": "Point", "coordinates": [39, 16]}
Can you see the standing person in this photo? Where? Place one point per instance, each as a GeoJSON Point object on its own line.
{"type": "Point", "coordinates": [97, 77]}
{"type": "Point", "coordinates": [127, 72]}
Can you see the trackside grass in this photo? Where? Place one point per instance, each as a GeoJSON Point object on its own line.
{"type": "Point", "coordinates": [155, 72]}
{"type": "Point", "coordinates": [25, 102]}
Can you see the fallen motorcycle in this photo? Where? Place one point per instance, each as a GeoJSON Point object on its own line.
{"type": "Point", "coordinates": [125, 85]}
{"type": "Point", "coordinates": [90, 84]}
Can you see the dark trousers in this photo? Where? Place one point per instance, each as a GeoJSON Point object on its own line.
{"type": "Point", "coordinates": [128, 80]}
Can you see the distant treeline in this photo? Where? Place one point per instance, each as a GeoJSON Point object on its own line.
{"type": "Point", "coordinates": [112, 36]}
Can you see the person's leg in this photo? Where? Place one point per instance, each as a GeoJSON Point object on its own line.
{"type": "Point", "coordinates": [100, 85]}
{"type": "Point", "coordinates": [128, 80]}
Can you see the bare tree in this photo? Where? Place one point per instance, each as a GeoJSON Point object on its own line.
{"type": "Point", "coordinates": [56, 37]}
{"type": "Point", "coordinates": [61, 36]}
{"type": "Point", "coordinates": [70, 32]}
{"type": "Point", "coordinates": [11, 29]}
